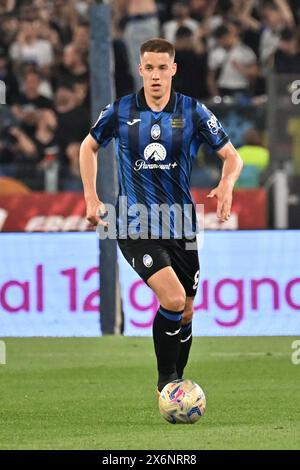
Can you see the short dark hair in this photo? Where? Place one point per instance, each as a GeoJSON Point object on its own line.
{"type": "Point", "coordinates": [157, 45]}
{"type": "Point", "coordinates": [33, 71]}
{"type": "Point", "coordinates": [220, 32]}
{"type": "Point", "coordinates": [183, 32]}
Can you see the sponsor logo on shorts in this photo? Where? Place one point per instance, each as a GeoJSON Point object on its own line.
{"type": "Point", "coordinates": [148, 261]}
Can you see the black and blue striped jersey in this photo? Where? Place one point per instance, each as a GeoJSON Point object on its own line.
{"type": "Point", "coordinates": [155, 152]}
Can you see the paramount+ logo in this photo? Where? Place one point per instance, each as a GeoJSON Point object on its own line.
{"type": "Point", "coordinates": [2, 92]}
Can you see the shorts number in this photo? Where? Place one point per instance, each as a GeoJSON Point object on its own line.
{"type": "Point", "coordinates": [196, 280]}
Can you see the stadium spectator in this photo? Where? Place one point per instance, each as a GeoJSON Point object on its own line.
{"type": "Point", "coordinates": [190, 64]}
{"type": "Point", "coordinates": [164, 9]}
{"type": "Point", "coordinates": [181, 17]}
{"type": "Point", "coordinates": [7, 6]}
{"type": "Point", "coordinates": [16, 151]}
{"type": "Point", "coordinates": [202, 9]}
{"type": "Point", "coordinates": [30, 101]}
{"type": "Point", "coordinates": [9, 25]}
{"type": "Point", "coordinates": [7, 156]}
{"type": "Point", "coordinates": [44, 43]}
{"type": "Point", "coordinates": [142, 24]}
{"type": "Point", "coordinates": [45, 137]}
{"type": "Point", "coordinates": [81, 38]}
{"type": "Point", "coordinates": [73, 121]}
{"type": "Point", "coordinates": [255, 158]}
{"type": "Point", "coordinates": [8, 77]}
{"type": "Point", "coordinates": [276, 15]}
{"type": "Point", "coordinates": [29, 45]}
{"type": "Point", "coordinates": [82, 93]}
{"type": "Point", "coordinates": [287, 55]}
{"type": "Point", "coordinates": [71, 180]}
{"type": "Point", "coordinates": [123, 79]}
{"type": "Point", "coordinates": [64, 19]}
{"type": "Point", "coordinates": [232, 65]}
{"type": "Point", "coordinates": [73, 63]}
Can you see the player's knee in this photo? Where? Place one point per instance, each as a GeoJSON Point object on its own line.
{"type": "Point", "coordinates": [174, 303]}
{"type": "Point", "coordinates": [187, 316]}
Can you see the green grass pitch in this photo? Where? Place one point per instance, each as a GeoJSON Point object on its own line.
{"type": "Point", "coordinates": [99, 393]}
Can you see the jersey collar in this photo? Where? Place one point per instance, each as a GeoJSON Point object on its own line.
{"type": "Point", "coordinates": [142, 104]}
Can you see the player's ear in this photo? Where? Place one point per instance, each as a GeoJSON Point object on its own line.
{"type": "Point", "coordinates": [140, 70]}
{"type": "Point", "coordinates": [174, 69]}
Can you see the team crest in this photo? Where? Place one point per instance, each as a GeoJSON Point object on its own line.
{"type": "Point", "coordinates": [148, 261]}
{"type": "Point", "coordinates": [155, 132]}
{"type": "Point", "coordinates": [155, 151]}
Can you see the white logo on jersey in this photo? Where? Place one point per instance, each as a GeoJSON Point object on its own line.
{"type": "Point", "coordinates": [213, 125]}
{"type": "Point", "coordinates": [102, 113]}
{"type": "Point", "coordinates": [134, 121]}
{"type": "Point", "coordinates": [142, 165]}
{"type": "Point", "coordinates": [148, 261]}
{"type": "Point", "coordinates": [155, 151]}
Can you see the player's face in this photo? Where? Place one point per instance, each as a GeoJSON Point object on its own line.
{"type": "Point", "coordinates": [157, 70]}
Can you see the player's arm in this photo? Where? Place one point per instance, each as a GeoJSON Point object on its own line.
{"type": "Point", "coordinates": [232, 167]}
{"type": "Point", "coordinates": [88, 169]}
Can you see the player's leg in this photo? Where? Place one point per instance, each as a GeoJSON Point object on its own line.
{"type": "Point", "coordinates": [151, 260]}
{"type": "Point", "coordinates": [167, 323]}
{"type": "Point", "coordinates": [186, 336]}
{"type": "Point", "coordinates": [185, 262]}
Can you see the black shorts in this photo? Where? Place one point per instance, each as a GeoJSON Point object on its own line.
{"type": "Point", "coordinates": [149, 256]}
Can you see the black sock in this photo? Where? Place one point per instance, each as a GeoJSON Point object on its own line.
{"type": "Point", "coordinates": [166, 337]}
{"type": "Point", "coordinates": [185, 346]}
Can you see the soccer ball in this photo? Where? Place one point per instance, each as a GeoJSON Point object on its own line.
{"type": "Point", "coordinates": [182, 401]}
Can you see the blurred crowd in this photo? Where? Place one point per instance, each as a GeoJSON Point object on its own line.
{"type": "Point", "coordinates": [224, 48]}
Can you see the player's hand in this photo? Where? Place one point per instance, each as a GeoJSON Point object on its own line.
{"type": "Point", "coordinates": [95, 210]}
{"type": "Point", "coordinates": [223, 193]}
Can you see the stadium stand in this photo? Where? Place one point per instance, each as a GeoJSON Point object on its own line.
{"type": "Point", "coordinates": [226, 48]}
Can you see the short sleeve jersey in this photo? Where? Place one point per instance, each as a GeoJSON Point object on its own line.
{"type": "Point", "coordinates": [155, 153]}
